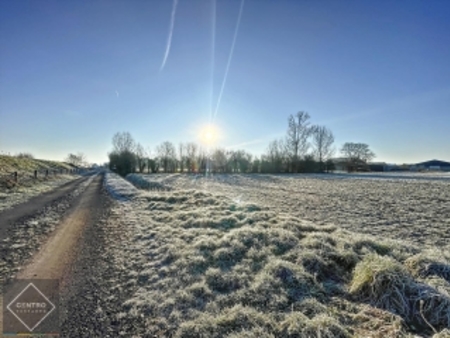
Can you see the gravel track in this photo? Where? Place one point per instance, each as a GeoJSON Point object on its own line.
{"type": "Point", "coordinates": [66, 241]}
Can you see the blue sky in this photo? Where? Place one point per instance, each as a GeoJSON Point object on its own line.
{"type": "Point", "coordinates": [72, 73]}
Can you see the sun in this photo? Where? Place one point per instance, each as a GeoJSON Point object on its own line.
{"type": "Point", "coordinates": [209, 134]}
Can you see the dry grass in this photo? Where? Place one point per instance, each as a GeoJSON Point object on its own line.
{"type": "Point", "coordinates": [443, 334]}
{"type": "Point", "coordinates": [202, 264]}
{"type": "Point", "coordinates": [9, 164]}
{"type": "Point", "coordinates": [413, 209]}
{"type": "Point", "coordinates": [386, 284]}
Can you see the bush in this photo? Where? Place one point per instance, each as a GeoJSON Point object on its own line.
{"type": "Point", "coordinates": [123, 163]}
{"type": "Point", "coordinates": [25, 155]}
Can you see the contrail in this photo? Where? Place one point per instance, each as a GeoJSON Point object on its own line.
{"type": "Point", "coordinates": [229, 57]}
{"type": "Point", "coordinates": [213, 44]}
{"type": "Point", "coordinates": [169, 39]}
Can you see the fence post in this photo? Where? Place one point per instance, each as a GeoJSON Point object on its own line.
{"type": "Point", "coordinates": [35, 174]}
{"type": "Point", "coordinates": [15, 176]}
{"type": "Point", "coordinates": [46, 173]}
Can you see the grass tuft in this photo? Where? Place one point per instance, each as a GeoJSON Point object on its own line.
{"type": "Point", "coordinates": [385, 283]}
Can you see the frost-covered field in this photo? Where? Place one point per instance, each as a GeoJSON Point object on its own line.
{"type": "Point", "coordinates": [118, 187]}
{"type": "Point", "coordinates": [20, 194]}
{"type": "Point", "coordinates": [281, 256]}
{"type": "Point", "coordinates": [406, 206]}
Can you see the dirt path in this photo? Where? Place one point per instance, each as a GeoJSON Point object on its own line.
{"type": "Point", "coordinates": [56, 257]}
{"type": "Point", "coordinates": [34, 204]}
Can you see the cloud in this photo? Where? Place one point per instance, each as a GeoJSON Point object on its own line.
{"type": "Point", "coordinates": [117, 93]}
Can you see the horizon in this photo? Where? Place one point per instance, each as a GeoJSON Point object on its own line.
{"type": "Point", "coordinates": [74, 74]}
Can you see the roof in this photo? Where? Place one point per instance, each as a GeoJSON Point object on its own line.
{"type": "Point", "coordinates": [434, 163]}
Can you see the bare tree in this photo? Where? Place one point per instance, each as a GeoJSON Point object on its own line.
{"type": "Point", "coordinates": [166, 153]}
{"type": "Point", "coordinates": [191, 156]}
{"type": "Point", "coordinates": [357, 154]}
{"type": "Point", "coordinates": [140, 157]}
{"type": "Point", "coordinates": [275, 155]}
{"type": "Point", "coordinates": [299, 130]}
{"type": "Point", "coordinates": [181, 156]}
{"type": "Point", "coordinates": [78, 159]}
{"type": "Point", "coordinates": [219, 160]}
{"type": "Point", "coordinates": [322, 142]}
{"type": "Point", "coordinates": [202, 160]}
{"type": "Point", "coordinates": [123, 142]}
{"type": "Point", "coordinates": [243, 160]}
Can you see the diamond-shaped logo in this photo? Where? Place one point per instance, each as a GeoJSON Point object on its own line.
{"type": "Point", "coordinates": [31, 307]}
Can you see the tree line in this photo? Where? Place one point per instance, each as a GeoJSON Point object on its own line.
{"type": "Point", "coordinates": [306, 148]}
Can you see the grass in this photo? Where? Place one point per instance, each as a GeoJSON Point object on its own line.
{"type": "Point", "coordinates": [10, 164]}
{"type": "Point", "coordinates": [25, 168]}
{"type": "Point", "coordinates": [12, 193]}
{"type": "Point", "coordinates": [387, 284]}
{"type": "Point", "coordinates": [202, 264]}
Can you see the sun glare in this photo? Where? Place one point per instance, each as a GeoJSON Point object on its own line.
{"type": "Point", "coordinates": [209, 134]}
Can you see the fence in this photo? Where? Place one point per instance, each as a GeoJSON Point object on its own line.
{"type": "Point", "coordinates": [13, 178]}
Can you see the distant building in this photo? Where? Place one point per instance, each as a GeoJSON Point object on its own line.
{"type": "Point", "coordinates": [340, 163]}
{"type": "Point", "coordinates": [383, 166]}
{"type": "Point", "coordinates": [432, 165]}
{"type": "Point", "coordinates": [378, 166]}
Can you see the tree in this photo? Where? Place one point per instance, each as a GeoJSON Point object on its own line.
{"type": "Point", "coordinates": [219, 160]}
{"type": "Point", "coordinates": [153, 165]}
{"type": "Point", "coordinates": [329, 165]}
{"type": "Point", "coordinates": [308, 165]}
{"type": "Point", "coordinates": [122, 159]}
{"type": "Point", "coordinates": [299, 130]}
{"type": "Point", "coordinates": [202, 160]}
{"type": "Point", "coordinates": [181, 156]}
{"type": "Point", "coordinates": [275, 156]}
{"type": "Point", "coordinates": [245, 162]}
{"type": "Point", "coordinates": [256, 165]}
{"type": "Point", "coordinates": [357, 155]}
{"type": "Point", "coordinates": [25, 155]}
{"type": "Point", "coordinates": [140, 157]}
{"type": "Point", "coordinates": [238, 161]}
{"type": "Point", "coordinates": [123, 163]}
{"type": "Point", "coordinates": [78, 159]}
{"type": "Point", "coordinates": [166, 154]}
{"type": "Point", "coordinates": [322, 142]}
{"type": "Point", "coordinates": [123, 142]}
{"type": "Point", "coordinates": [191, 156]}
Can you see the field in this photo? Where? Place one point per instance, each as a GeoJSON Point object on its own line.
{"type": "Point", "coordinates": [281, 256]}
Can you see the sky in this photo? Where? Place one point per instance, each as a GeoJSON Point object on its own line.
{"type": "Point", "coordinates": [73, 73]}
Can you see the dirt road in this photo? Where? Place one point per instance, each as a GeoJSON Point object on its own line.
{"type": "Point", "coordinates": [33, 205]}
{"type": "Point", "coordinates": [59, 258]}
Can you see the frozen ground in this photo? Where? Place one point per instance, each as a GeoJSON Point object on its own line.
{"type": "Point", "coordinates": [118, 187]}
{"type": "Point", "coordinates": [20, 194]}
{"type": "Point", "coordinates": [280, 256]}
{"type": "Point", "coordinates": [411, 207]}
